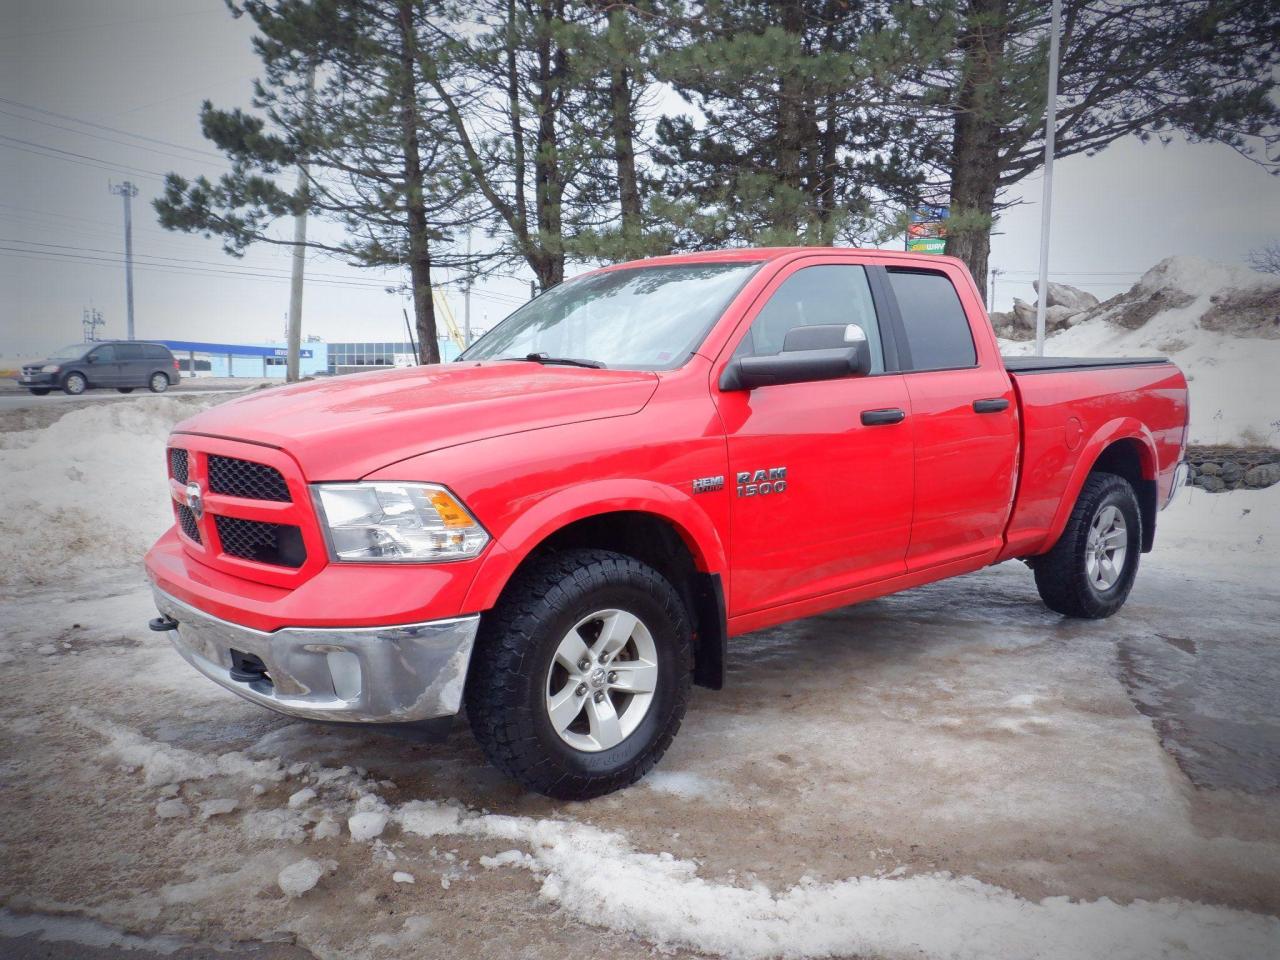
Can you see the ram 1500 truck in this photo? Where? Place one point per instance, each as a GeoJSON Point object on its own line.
{"type": "Point", "coordinates": [562, 529]}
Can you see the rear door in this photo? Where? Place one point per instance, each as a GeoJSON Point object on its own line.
{"type": "Point", "coordinates": [820, 473]}
{"type": "Point", "coordinates": [965, 417]}
{"type": "Point", "coordinates": [134, 365]}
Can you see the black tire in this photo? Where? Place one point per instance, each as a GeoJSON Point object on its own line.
{"type": "Point", "coordinates": [74, 384]}
{"type": "Point", "coordinates": [1062, 575]}
{"type": "Point", "coordinates": [125, 389]}
{"type": "Point", "coordinates": [507, 690]}
{"type": "Point", "coordinates": [41, 392]}
{"type": "Point", "coordinates": [158, 383]}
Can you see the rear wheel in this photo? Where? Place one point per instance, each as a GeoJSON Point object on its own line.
{"type": "Point", "coordinates": [75, 384]}
{"type": "Point", "coordinates": [125, 389]}
{"type": "Point", "coordinates": [1091, 569]}
{"type": "Point", "coordinates": [159, 383]}
{"type": "Point", "coordinates": [581, 674]}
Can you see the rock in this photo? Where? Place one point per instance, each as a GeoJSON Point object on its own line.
{"type": "Point", "coordinates": [326, 830]}
{"type": "Point", "coordinates": [1056, 317]}
{"type": "Point", "coordinates": [1024, 313]}
{"type": "Point", "coordinates": [1263, 475]}
{"type": "Point", "coordinates": [1072, 298]}
{"type": "Point", "coordinates": [401, 877]}
{"type": "Point", "coordinates": [1210, 469]}
{"type": "Point", "coordinates": [1210, 484]}
{"type": "Point", "coordinates": [1231, 473]}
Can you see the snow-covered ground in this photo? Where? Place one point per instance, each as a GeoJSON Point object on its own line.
{"type": "Point", "coordinates": [1234, 380]}
{"type": "Point", "coordinates": [951, 772]}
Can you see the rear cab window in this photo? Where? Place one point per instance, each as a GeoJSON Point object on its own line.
{"type": "Point", "coordinates": [933, 320]}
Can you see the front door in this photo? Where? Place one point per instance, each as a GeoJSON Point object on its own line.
{"type": "Point", "coordinates": [103, 366]}
{"type": "Point", "coordinates": [820, 473]}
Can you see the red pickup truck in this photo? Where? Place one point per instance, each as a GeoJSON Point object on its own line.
{"type": "Point", "coordinates": [562, 529]}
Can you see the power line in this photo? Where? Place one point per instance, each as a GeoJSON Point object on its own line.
{"type": "Point", "coordinates": [101, 136]}
{"type": "Point", "coordinates": [54, 153]}
{"type": "Point", "coordinates": [102, 126]}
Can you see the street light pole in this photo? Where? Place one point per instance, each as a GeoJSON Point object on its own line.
{"type": "Point", "coordinates": [1046, 196]}
{"type": "Point", "coordinates": [128, 191]}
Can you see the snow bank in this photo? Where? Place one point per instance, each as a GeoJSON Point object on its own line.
{"type": "Point", "coordinates": [1235, 389]}
{"type": "Point", "coordinates": [598, 878]}
{"type": "Point", "coordinates": [88, 493]}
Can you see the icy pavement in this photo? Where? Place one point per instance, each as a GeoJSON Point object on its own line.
{"type": "Point", "coordinates": [951, 772]}
{"type": "Point", "coordinates": [930, 774]}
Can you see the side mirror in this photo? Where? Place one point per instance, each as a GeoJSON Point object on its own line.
{"type": "Point", "coordinates": [823, 352]}
{"type": "Point", "coordinates": [91, 358]}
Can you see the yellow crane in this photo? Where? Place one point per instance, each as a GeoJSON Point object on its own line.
{"type": "Point", "coordinates": [444, 310]}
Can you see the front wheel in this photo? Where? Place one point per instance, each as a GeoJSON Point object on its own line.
{"type": "Point", "coordinates": [40, 392]}
{"type": "Point", "coordinates": [1091, 569]}
{"type": "Point", "coordinates": [581, 674]}
{"type": "Point", "coordinates": [125, 389]}
{"type": "Point", "coordinates": [74, 384]}
{"type": "Point", "coordinates": [159, 383]}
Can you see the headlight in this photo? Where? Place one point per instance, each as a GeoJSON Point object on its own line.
{"type": "Point", "coordinates": [396, 522]}
{"type": "Point", "coordinates": [50, 368]}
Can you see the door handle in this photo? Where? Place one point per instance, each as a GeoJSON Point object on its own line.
{"type": "Point", "coordinates": [994, 405]}
{"type": "Point", "coordinates": [876, 418]}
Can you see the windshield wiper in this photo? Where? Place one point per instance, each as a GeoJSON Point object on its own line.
{"type": "Point", "coordinates": [560, 361]}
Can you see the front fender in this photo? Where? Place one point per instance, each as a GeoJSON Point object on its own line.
{"type": "Point", "coordinates": [561, 508]}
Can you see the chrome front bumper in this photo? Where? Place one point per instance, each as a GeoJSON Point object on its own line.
{"type": "Point", "coordinates": [395, 674]}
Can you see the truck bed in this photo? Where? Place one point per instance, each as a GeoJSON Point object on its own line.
{"type": "Point", "coordinates": [1024, 365]}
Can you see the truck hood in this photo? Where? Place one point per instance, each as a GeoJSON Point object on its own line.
{"type": "Point", "coordinates": [346, 427]}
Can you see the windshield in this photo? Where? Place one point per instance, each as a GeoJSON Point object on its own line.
{"type": "Point", "coordinates": [73, 352]}
{"type": "Point", "coordinates": [641, 318]}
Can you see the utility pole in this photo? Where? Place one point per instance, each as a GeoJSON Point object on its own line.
{"type": "Point", "coordinates": [299, 253]}
{"type": "Point", "coordinates": [466, 299]}
{"type": "Point", "coordinates": [991, 296]}
{"type": "Point", "coordinates": [128, 191]}
{"type": "Point", "coordinates": [1046, 196]}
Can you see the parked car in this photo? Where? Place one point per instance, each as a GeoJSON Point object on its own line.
{"type": "Point", "coordinates": [563, 529]}
{"type": "Point", "coordinates": [123, 364]}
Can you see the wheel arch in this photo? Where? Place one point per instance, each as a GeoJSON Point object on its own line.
{"type": "Point", "coordinates": [1123, 447]}
{"type": "Point", "coordinates": [659, 527]}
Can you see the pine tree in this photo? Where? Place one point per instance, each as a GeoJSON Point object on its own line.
{"type": "Point", "coordinates": [797, 144]}
{"type": "Point", "coordinates": [371, 136]}
{"type": "Point", "coordinates": [1203, 69]}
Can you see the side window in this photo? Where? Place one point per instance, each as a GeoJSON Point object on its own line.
{"type": "Point", "coordinates": [832, 293]}
{"type": "Point", "coordinates": [934, 320]}
{"type": "Point", "coordinates": [106, 354]}
{"type": "Point", "coordinates": [154, 351]}
{"type": "Point", "coordinates": [128, 351]}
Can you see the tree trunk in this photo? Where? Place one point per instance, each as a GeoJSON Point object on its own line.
{"type": "Point", "coordinates": [975, 148]}
{"type": "Point", "coordinates": [791, 101]}
{"type": "Point", "coordinates": [623, 123]}
{"type": "Point", "coordinates": [424, 310]}
{"type": "Point", "coordinates": [548, 188]}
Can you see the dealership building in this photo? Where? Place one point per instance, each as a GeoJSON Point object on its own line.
{"type": "Point", "coordinates": [204, 359]}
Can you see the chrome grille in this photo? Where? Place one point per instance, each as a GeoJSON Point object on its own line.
{"type": "Point", "coordinates": [178, 464]}
{"type": "Point", "coordinates": [187, 520]}
{"type": "Point", "coordinates": [244, 478]}
{"type": "Point", "coordinates": [275, 543]}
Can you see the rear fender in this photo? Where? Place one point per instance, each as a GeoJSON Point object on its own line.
{"type": "Point", "coordinates": [1123, 428]}
{"type": "Point", "coordinates": [567, 506]}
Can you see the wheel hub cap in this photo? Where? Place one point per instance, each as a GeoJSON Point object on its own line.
{"type": "Point", "coordinates": [601, 681]}
{"type": "Point", "coordinates": [1106, 547]}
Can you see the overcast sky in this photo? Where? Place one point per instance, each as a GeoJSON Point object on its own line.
{"type": "Point", "coordinates": [139, 70]}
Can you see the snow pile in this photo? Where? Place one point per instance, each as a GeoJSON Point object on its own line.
{"type": "Point", "coordinates": [88, 493]}
{"type": "Point", "coordinates": [597, 877]}
{"type": "Point", "coordinates": [298, 878]}
{"type": "Point", "coordinates": [1220, 324]}
{"type": "Point", "coordinates": [163, 763]}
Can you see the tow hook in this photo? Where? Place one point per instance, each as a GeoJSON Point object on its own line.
{"type": "Point", "coordinates": [163, 623]}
